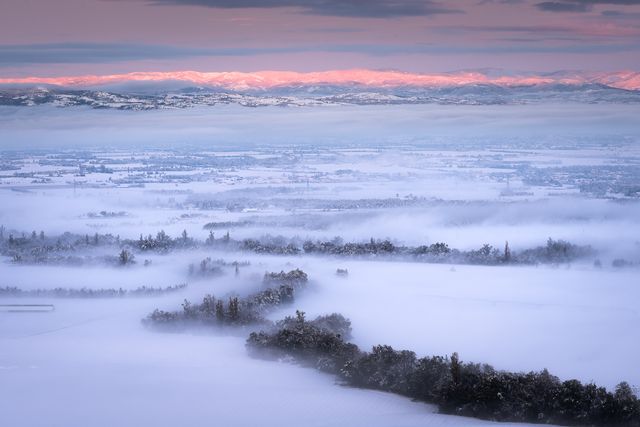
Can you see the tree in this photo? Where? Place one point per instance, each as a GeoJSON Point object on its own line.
{"type": "Point", "coordinates": [455, 368]}
{"type": "Point", "coordinates": [211, 239]}
{"type": "Point", "coordinates": [507, 252]}
{"type": "Point", "coordinates": [485, 250]}
{"type": "Point", "coordinates": [189, 310]}
{"type": "Point", "coordinates": [203, 265]}
{"type": "Point", "coordinates": [627, 403]}
{"type": "Point", "coordinates": [234, 309]}
{"type": "Point", "coordinates": [161, 236]}
{"type": "Point", "coordinates": [439, 248]}
{"type": "Point", "coordinates": [219, 311]}
{"type": "Point", "coordinates": [125, 257]}
{"type": "Point", "coordinates": [208, 306]}
{"type": "Point", "coordinates": [309, 246]}
{"type": "Point", "coordinates": [163, 241]}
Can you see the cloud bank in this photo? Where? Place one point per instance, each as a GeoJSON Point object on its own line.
{"type": "Point", "coordinates": [580, 5]}
{"type": "Point", "coordinates": [342, 8]}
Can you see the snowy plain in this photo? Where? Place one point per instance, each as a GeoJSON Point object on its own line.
{"type": "Point", "coordinates": [415, 175]}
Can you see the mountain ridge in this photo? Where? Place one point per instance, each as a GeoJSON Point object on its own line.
{"type": "Point", "coordinates": [319, 95]}
{"type": "Point", "coordinates": [269, 80]}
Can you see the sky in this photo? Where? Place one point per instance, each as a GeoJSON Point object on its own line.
{"type": "Point", "coordinates": [102, 37]}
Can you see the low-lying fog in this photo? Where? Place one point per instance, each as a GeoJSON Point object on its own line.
{"type": "Point", "coordinates": [232, 126]}
{"type": "Point", "coordinates": [91, 363]}
{"type": "Point", "coordinates": [464, 176]}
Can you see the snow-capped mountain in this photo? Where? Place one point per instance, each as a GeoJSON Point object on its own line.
{"type": "Point", "coordinates": [474, 94]}
{"type": "Point", "coordinates": [142, 91]}
{"type": "Point", "coordinates": [269, 80]}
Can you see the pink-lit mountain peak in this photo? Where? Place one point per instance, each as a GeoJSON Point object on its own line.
{"type": "Point", "coordinates": [273, 79]}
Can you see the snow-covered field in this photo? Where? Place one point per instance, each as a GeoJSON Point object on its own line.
{"type": "Point", "coordinates": [93, 364]}
{"type": "Point", "coordinates": [500, 177]}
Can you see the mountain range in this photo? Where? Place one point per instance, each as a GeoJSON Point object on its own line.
{"type": "Point", "coordinates": [142, 91]}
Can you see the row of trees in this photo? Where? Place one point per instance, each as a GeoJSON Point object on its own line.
{"type": "Point", "coordinates": [555, 251]}
{"type": "Point", "coordinates": [42, 249]}
{"type": "Point", "coordinates": [456, 387]}
{"type": "Point", "coordinates": [142, 291]}
{"type": "Point", "coordinates": [212, 268]}
{"type": "Point", "coordinates": [66, 241]}
{"type": "Point", "coordinates": [39, 248]}
{"type": "Point", "coordinates": [233, 311]}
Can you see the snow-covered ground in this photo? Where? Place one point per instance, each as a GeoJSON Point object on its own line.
{"type": "Point", "coordinates": [416, 175]}
{"type": "Point", "coordinates": [91, 363]}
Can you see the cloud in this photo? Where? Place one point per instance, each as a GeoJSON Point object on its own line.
{"type": "Point", "coordinates": [616, 14]}
{"type": "Point", "coordinates": [77, 53]}
{"type": "Point", "coordinates": [536, 39]}
{"type": "Point", "coordinates": [48, 53]}
{"type": "Point", "coordinates": [99, 53]}
{"type": "Point", "coordinates": [540, 33]}
{"type": "Point", "coordinates": [535, 29]}
{"type": "Point", "coordinates": [580, 5]}
{"type": "Point", "coordinates": [343, 8]}
{"type": "Point", "coordinates": [599, 33]}
{"type": "Point", "coordinates": [331, 30]}
{"type": "Point", "coordinates": [558, 6]}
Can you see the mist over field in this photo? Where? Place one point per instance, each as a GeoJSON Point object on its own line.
{"type": "Point", "coordinates": [319, 213]}
{"type": "Point", "coordinates": [507, 234]}
{"type": "Point", "coordinates": [229, 127]}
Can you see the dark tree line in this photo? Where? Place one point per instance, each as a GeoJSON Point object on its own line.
{"type": "Point", "coordinates": [39, 248]}
{"type": "Point", "coordinates": [554, 252]}
{"type": "Point", "coordinates": [458, 388]}
{"type": "Point", "coordinates": [233, 311]}
{"type": "Point", "coordinates": [212, 268]}
{"type": "Point", "coordinates": [142, 291]}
